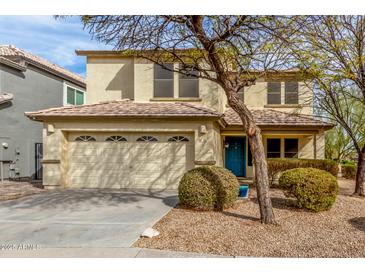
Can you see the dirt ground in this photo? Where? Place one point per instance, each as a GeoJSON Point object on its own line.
{"type": "Point", "coordinates": [339, 232]}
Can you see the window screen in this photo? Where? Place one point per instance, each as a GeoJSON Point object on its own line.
{"type": "Point", "coordinates": [274, 93]}
{"type": "Point", "coordinates": [163, 81]}
{"type": "Point", "coordinates": [189, 84]}
{"type": "Point", "coordinates": [74, 96]}
{"type": "Point", "coordinates": [291, 148]}
{"type": "Point", "coordinates": [70, 96]}
{"type": "Point", "coordinates": [273, 148]}
{"type": "Point", "coordinates": [79, 97]}
{"type": "Point", "coordinates": [291, 92]}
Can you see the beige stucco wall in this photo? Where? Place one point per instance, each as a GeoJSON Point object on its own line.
{"type": "Point", "coordinates": [206, 141]}
{"type": "Point", "coordinates": [113, 78]}
{"type": "Point", "coordinates": [109, 79]}
{"type": "Point", "coordinates": [256, 98]}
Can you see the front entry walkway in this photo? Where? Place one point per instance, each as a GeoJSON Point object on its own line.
{"type": "Point", "coordinates": [81, 218]}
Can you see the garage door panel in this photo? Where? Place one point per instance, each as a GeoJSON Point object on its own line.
{"type": "Point", "coordinates": [147, 167]}
{"type": "Point", "coordinates": [85, 181]}
{"type": "Point", "coordinates": [129, 164]}
{"type": "Point", "coordinates": [115, 181]}
{"type": "Point", "coordinates": [84, 159]}
{"type": "Point", "coordinates": [84, 151]}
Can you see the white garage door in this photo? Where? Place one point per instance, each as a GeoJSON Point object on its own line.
{"type": "Point", "coordinates": [122, 160]}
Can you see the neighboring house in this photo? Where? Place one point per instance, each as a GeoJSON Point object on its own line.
{"type": "Point", "coordinates": [144, 126]}
{"type": "Point", "coordinates": [29, 83]}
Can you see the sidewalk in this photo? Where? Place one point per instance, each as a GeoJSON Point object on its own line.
{"type": "Point", "coordinates": [100, 253]}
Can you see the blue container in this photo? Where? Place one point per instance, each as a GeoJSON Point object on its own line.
{"type": "Point", "coordinates": [243, 193]}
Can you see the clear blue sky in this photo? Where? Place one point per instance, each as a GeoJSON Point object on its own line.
{"type": "Point", "coordinates": [54, 40]}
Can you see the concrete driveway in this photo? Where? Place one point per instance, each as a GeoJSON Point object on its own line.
{"type": "Point", "coordinates": [82, 218]}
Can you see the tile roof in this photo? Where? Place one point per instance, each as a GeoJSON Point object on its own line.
{"type": "Point", "coordinates": [269, 117]}
{"type": "Point", "coordinates": [5, 97]}
{"type": "Point", "coordinates": [12, 53]}
{"type": "Point", "coordinates": [128, 108]}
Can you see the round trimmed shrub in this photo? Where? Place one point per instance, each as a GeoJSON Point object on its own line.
{"type": "Point", "coordinates": [313, 189]}
{"type": "Point", "coordinates": [208, 187]}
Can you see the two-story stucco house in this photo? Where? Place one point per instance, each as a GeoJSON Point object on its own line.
{"type": "Point", "coordinates": [29, 83]}
{"type": "Point", "coordinates": [143, 126]}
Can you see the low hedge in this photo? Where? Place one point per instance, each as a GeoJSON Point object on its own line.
{"type": "Point", "coordinates": [348, 171]}
{"type": "Point", "coordinates": [313, 189]}
{"type": "Point", "coordinates": [277, 166]}
{"type": "Point", "coordinates": [208, 187]}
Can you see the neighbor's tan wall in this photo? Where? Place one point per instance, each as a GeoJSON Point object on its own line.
{"type": "Point", "coordinates": [206, 145]}
{"type": "Point", "coordinates": [109, 79]}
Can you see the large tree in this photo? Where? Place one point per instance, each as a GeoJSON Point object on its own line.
{"type": "Point", "coordinates": [331, 49]}
{"type": "Point", "coordinates": [232, 51]}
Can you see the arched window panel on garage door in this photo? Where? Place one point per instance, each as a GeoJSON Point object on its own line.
{"type": "Point", "coordinates": [85, 138]}
{"type": "Point", "coordinates": [116, 138]}
{"type": "Point", "coordinates": [147, 138]}
{"type": "Point", "coordinates": [178, 139]}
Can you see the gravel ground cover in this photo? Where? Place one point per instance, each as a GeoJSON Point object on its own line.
{"type": "Point", "coordinates": [12, 190]}
{"type": "Point", "coordinates": [339, 232]}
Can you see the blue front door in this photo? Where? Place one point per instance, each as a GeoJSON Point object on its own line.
{"type": "Point", "coordinates": [235, 155]}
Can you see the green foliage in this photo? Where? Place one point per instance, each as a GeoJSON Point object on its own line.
{"type": "Point", "coordinates": [313, 189]}
{"type": "Point", "coordinates": [276, 166]}
{"type": "Point", "coordinates": [208, 187]}
{"type": "Point", "coordinates": [349, 170]}
{"type": "Point", "coordinates": [349, 162]}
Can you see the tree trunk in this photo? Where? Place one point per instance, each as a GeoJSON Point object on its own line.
{"type": "Point", "coordinates": [359, 188]}
{"type": "Point", "coordinates": [258, 155]}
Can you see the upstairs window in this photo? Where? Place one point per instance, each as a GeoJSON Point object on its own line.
{"type": "Point", "coordinates": [291, 92]}
{"type": "Point", "coordinates": [291, 148]}
{"type": "Point", "coordinates": [273, 93]}
{"type": "Point", "coordinates": [189, 84]}
{"type": "Point", "coordinates": [163, 81]}
{"type": "Point", "coordinates": [74, 96]}
{"type": "Point", "coordinates": [273, 148]}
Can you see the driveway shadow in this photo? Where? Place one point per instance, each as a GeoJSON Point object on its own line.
{"type": "Point", "coordinates": [358, 223]}
{"type": "Point", "coordinates": [71, 199]}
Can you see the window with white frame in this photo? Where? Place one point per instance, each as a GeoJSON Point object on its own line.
{"type": "Point", "coordinates": [73, 96]}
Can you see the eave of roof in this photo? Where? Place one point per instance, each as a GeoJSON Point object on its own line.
{"type": "Point", "coordinates": [12, 64]}
{"type": "Point", "coordinates": [11, 54]}
{"type": "Point", "coordinates": [127, 109]}
{"type": "Point", "coordinates": [5, 97]}
{"type": "Point", "coordinates": [274, 118]}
